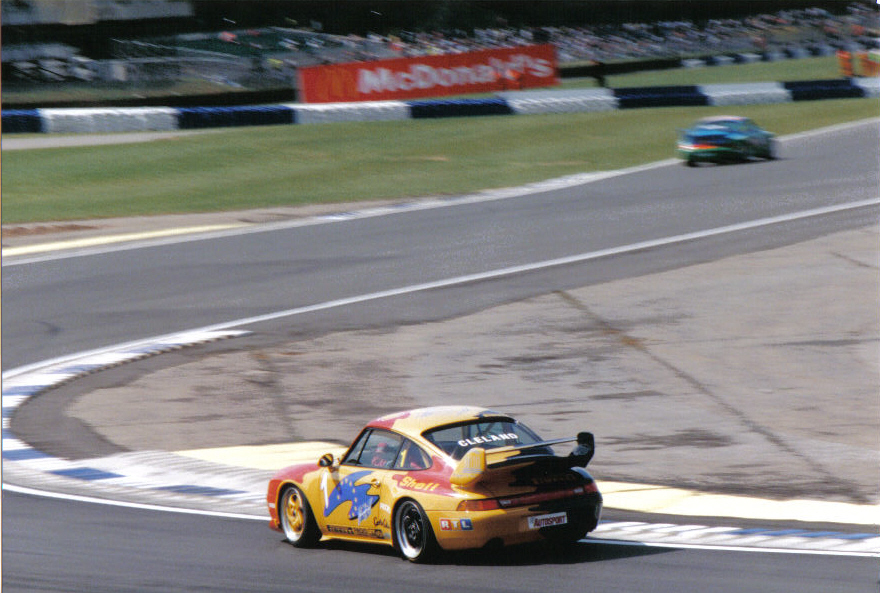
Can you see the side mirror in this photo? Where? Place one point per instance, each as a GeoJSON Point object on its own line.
{"type": "Point", "coordinates": [328, 460]}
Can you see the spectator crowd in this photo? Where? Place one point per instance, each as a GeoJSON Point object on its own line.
{"type": "Point", "coordinates": [860, 25]}
{"type": "Point", "coordinates": [250, 57]}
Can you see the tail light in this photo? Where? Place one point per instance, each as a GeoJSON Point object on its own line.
{"type": "Point", "coordinates": [480, 504]}
{"type": "Point", "coordinates": [521, 500]}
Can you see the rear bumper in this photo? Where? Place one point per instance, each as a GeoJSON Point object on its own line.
{"type": "Point", "coordinates": [456, 530]}
{"type": "Point", "coordinates": [715, 154]}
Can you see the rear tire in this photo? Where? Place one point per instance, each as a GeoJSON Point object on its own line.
{"type": "Point", "coordinates": [413, 535]}
{"type": "Point", "coordinates": [297, 520]}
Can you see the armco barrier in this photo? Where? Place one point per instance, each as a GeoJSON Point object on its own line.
{"type": "Point", "coordinates": [521, 102]}
{"type": "Point", "coordinates": [459, 108]}
{"type": "Point", "coordinates": [106, 119]}
{"type": "Point", "coordinates": [321, 113]}
{"type": "Point", "coordinates": [870, 86]}
{"type": "Point", "coordinates": [755, 93]}
{"type": "Point", "coordinates": [22, 121]}
{"type": "Point", "coordinates": [222, 117]}
{"type": "Point", "coordinates": [811, 90]}
{"type": "Point", "coordinates": [660, 96]}
{"type": "Point", "coordinates": [580, 101]}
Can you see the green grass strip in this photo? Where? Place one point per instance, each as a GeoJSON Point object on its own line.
{"type": "Point", "coordinates": [243, 168]}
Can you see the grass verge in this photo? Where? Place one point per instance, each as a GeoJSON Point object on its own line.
{"type": "Point", "coordinates": [782, 71]}
{"type": "Point", "coordinates": [243, 168]}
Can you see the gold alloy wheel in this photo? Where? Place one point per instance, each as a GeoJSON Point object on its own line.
{"type": "Point", "coordinates": [294, 517]}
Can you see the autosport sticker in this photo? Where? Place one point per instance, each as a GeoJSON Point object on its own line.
{"type": "Point", "coordinates": [548, 520]}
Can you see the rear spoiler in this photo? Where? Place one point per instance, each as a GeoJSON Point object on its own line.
{"type": "Point", "coordinates": [477, 460]}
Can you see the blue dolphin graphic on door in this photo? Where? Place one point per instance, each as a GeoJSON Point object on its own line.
{"type": "Point", "coordinates": [347, 490]}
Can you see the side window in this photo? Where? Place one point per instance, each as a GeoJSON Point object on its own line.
{"type": "Point", "coordinates": [354, 452]}
{"type": "Point", "coordinates": [411, 457]}
{"type": "Point", "coordinates": [380, 449]}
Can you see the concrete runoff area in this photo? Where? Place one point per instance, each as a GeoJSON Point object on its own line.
{"type": "Point", "coordinates": [754, 376]}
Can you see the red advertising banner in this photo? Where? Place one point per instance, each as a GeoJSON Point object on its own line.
{"type": "Point", "coordinates": [431, 76]}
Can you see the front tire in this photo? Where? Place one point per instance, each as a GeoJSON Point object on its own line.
{"type": "Point", "coordinates": [413, 535]}
{"type": "Point", "coordinates": [297, 521]}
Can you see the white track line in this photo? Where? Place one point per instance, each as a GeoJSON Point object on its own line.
{"type": "Point", "coordinates": [129, 505]}
{"type": "Point", "coordinates": [550, 263]}
{"type": "Point", "coordinates": [589, 540]}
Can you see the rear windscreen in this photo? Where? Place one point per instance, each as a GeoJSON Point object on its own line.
{"type": "Point", "coordinates": [456, 440]}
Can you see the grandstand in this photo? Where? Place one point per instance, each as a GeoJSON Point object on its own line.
{"type": "Point", "coordinates": [52, 41]}
{"type": "Point", "coordinates": [18, 13]}
{"type": "Point", "coordinates": [147, 42]}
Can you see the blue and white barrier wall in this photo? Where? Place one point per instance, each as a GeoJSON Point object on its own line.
{"type": "Point", "coordinates": [133, 119]}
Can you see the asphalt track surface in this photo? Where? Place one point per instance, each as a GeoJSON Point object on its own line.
{"type": "Point", "coordinates": [62, 306]}
{"type": "Point", "coordinates": [68, 546]}
{"type": "Point", "coordinates": [58, 307]}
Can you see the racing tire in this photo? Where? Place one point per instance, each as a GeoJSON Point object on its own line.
{"type": "Point", "coordinates": [690, 163]}
{"type": "Point", "coordinates": [413, 535]}
{"type": "Point", "coordinates": [297, 521]}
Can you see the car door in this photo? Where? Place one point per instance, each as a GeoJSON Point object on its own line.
{"type": "Point", "coordinates": [355, 494]}
{"type": "Point", "coordinates": [756, 139]}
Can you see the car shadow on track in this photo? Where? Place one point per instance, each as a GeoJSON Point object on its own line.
{"type": "Point", "coordinates": [731, 163]}
{"type": "Point", "coordinates": [584, 551]}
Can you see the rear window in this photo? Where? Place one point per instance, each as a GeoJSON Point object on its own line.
{"type": "Point", "coordinates": [457, 439]}
{"type": "Point", "coordinates": [718, 127]}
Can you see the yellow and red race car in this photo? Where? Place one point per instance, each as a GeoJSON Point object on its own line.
{"type": "Point", "coordinates": [449, 478]}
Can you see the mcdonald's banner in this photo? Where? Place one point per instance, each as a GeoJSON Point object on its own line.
{"type": "Point", "coordinates": [431, 76]}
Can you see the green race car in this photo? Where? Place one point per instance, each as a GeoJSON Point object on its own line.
{"type": "Point", "coordinates": [724, 138]}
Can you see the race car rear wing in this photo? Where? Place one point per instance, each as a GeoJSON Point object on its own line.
{"type": "Point", "coordinates": [477, 460]}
